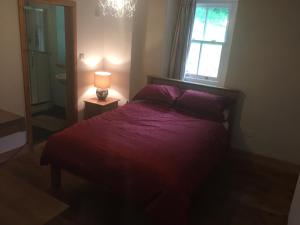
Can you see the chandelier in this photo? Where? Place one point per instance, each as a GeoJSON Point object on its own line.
{"type": "Point", "coordinates": [118, 8]}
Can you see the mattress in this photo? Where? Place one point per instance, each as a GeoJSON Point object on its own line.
{"type": "Point", "coordinates": [151, 153]}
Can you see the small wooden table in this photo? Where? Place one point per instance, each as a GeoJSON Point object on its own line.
{"type": "Point", "coordinates": [294, 216]}
{"type": "Point", "coordinates": [10, 123]}
{"type": "Point", "coordinates": [94, 107]}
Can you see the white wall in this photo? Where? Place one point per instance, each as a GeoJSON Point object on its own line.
{"type": "Point", "coordinates": [89, 42]}
{"type": "Point", "coordinates": [106, 43]}
{"type": "Point", "coordinates": [152, 37]}
{"type": "Point", "coordinates": [117, 54]}
{"type": "Point", "coordinates": [264, 64]}
{"type": "Point", "coordinates": [11, 80]}
{"type": "Point", "coordinates": [130, 48]}
{"type": "Point", "coordinates": [138, 45]}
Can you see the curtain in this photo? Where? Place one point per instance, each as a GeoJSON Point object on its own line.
{"type": "Point", "coordinates": [182, 39]}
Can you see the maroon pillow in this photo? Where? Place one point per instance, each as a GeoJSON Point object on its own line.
{"type": "Point", "coordinates": [159, 93]}
{"type": "Point", "coordinates": [203, 104]}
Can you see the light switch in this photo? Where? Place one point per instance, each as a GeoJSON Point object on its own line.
{"type": "Point", "coordinates": [81, 56]}
{"type": "Point", "coordinates": [97, 12]}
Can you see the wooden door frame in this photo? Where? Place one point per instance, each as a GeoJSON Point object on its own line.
{"type": "Point", "coordinates": [71, 60]}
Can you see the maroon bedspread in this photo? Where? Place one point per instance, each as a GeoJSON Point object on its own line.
{"type": "Point", "coordinates": [150, 153]}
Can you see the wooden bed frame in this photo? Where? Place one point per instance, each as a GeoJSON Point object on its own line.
{"type": "Point", "coordinates": [234, 94]}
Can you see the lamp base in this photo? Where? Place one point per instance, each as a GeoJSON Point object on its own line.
{"type": "Point", "coordinates": [102, 94]}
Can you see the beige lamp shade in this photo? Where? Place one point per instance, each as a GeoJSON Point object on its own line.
{"type": "Point", "coordinates": [102, 80]}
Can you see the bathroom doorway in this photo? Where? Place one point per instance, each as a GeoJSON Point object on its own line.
{"type": "Point", "coordinates": [48, 42]}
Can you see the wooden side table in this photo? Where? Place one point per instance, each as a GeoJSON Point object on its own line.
{"type": "Point", "coordinates": [10, 123]}
{"type": "Point", "coordinates": [94, 107]}
{"type": "Point", "coordinates": [294, 216]}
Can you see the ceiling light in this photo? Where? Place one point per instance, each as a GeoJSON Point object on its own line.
{"type": "Point", "coordinates": [118, 8]}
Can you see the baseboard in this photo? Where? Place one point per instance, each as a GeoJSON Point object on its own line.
{"type": "Point", "coordinates": [258, 162]}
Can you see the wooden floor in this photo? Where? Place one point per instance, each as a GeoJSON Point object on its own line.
{"type": "Point", "coordinates": [239, 195]}
{"type": "Point", "coordinates": [34, 207]}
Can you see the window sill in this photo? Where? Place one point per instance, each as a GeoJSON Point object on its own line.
{"type": "Point", "coordinates": [202, 81]}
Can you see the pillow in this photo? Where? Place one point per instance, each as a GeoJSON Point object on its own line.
{"type": "Point", "coordinates": [203, 104]}
{"type": "Point", "coordinates": [159, 93]}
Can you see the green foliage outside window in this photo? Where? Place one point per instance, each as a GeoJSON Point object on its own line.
{"type": "Point", "coordinates": [217, 16]}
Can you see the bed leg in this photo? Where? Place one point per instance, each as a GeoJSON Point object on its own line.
{"type": "Point", "coordinates": [55, 178]}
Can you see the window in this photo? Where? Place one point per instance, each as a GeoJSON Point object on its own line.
{"type": "Point", "coordinates": [211, 39]}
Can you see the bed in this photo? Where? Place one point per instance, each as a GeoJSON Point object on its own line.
{"type": "Point", "coordinates": [152, 153]}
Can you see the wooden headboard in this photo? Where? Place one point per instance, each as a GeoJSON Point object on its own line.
{"type": "Point", "coordinates": [234, 94]}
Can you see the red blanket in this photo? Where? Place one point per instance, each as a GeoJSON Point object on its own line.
{"type": "Point", "coordinates": [152, 154]}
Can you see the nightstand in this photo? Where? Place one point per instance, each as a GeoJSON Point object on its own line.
{"type": "Point", "coordinates": [94, 107]}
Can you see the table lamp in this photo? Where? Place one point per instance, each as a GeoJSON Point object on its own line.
{"type": "Point", "coordinates": [102, 83]}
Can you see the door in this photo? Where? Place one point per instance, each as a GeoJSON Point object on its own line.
{"type": "Point", "coordinates": [33, 45]}
{"type": "Point", "coordinates": [36, 30]}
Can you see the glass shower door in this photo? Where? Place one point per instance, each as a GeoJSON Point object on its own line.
{"type": "Point", "coordinates": [38, 56]}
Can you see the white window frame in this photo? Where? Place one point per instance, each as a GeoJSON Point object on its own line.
{"type": "Point", "coordinates": [225, 54]}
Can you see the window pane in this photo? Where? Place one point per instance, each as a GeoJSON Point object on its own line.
{"type": "Point", "coordinates": [216, 24]}
{"type": "Point", "coordinates": [199, 23]}
{"type": "Point", "coordinates": [210, 60]}
{"type": "Point", "coordinates": [193, 59]}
